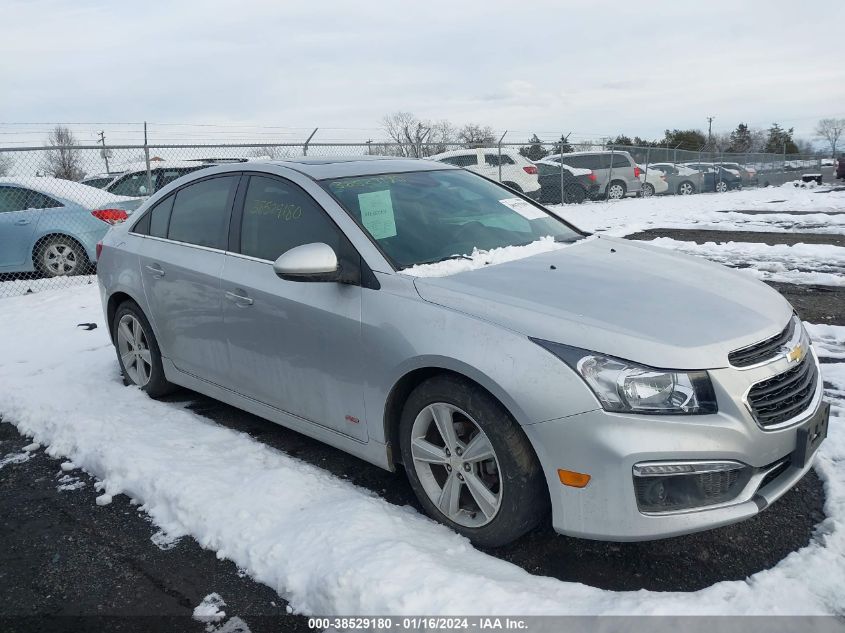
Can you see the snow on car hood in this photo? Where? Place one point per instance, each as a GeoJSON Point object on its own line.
{"type": "Point", "coordinates": [622, 298]}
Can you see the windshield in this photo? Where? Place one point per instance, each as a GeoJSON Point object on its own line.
{"type": "Point", "coordinates": [428, 216]}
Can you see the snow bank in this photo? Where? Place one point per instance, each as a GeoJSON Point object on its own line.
{"type": "Point", "coordinates": [792, 209]}
{"type": "Point", "coordinates": [797, 263]}
{"type": "Point", "coordinates": [325, 545]}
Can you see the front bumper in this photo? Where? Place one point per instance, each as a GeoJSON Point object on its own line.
{"type": "Point", "coordinates": [608, 445]}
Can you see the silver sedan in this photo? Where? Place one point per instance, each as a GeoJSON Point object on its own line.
{"type": "Point", "coordinates": [422, 316]}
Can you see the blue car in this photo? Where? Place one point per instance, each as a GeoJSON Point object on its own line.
{"type": "Point", "coordinates": [51, 226]}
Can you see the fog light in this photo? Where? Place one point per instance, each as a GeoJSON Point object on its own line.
{"type": "Point", "coordinates": [670, 486]}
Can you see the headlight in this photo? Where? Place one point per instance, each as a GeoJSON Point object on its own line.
{"type": "Point", "coordinates": [627, 387]}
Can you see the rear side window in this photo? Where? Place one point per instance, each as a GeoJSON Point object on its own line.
{"type": "Point", "coordinates": [40, 201]}
{"type": "Point", "coordinates": [279, 216]}
{"type": "Point", "coordinates": [155, 220]}
{"type": "Point", "coordinates": [620, 160]}
{"type": "Point", "coordinates": [582, 162]}
{"type": "Point", "coordinates": [467, 160]}
{"type": "Point", "coordinates": [200, 213]}
{"type": "Point", "coordinates": [493, 159]}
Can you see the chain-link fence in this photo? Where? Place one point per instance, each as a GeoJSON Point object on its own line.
{"type": "Point", "coordinates": [50, 224]}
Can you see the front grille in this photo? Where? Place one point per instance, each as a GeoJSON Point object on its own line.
{"type": "Point", "coordinates": [764, 350]}
{"type": "Point", "coordinates": [777, 399]}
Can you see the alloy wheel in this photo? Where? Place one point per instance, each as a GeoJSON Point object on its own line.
{"type": "Point", "coordinates": [685, 189]}
{"type": "Point", "coordinates": [456, 465]}
{"type": "Point", "coordinates": [648, 190]}
{"type": "Point", "coordinates": [615, 192]}
{"type": "Point", "coordinates": [60, 260]}
{"type": "Point", "coordinates": [134, 350]}
{"type": "Point", "coordinates": [721, 186]}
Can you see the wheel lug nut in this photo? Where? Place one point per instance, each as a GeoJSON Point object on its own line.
{"type": "Point", "coordinates": [448, 468]}
{"type": "Point", "coordinates": [459, 451]}
{"type": "Point", "coordinates": [466, 467]}
{"type": "Point", "coordinates": [448, 453]}
{"type": "Point", "coordinates": [460, 476]}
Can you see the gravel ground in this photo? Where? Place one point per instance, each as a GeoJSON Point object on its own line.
{"type": "Point", "coordinates": [62, 555]}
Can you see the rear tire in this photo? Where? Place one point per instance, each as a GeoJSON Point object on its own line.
{"type": "Point", "coordinates": [721, 186]}
{"type": "Point", "coordinates": [686, 188]}
{"type": "Point", "coordinates": [574, 194]}
{"type": "Point", "coordinates": [648, 190]}
{"type": "Point", "coordinates": [137, 351]}
{"type": "Point", "coordinates": [616, 190]}
{"type": "Point", "coordinates": [61, 256]}
{"type": "Point", "coordinates": [484, 480]}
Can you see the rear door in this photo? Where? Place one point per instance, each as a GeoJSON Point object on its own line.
{"type": "Point", "coordinates": [181, 264]}
{"type": "Point", "coordinates": [17, 226]}
{"type": "Point", "coordinates": [296, 346]}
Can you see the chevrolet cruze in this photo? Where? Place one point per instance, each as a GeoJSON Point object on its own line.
{"type": "Point", "coordinates": [419, 315]}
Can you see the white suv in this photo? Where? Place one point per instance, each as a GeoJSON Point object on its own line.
{"type": "Point", "coordinates": [517, 172]}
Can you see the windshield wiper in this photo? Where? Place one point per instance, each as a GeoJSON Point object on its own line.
{"type": "Point", "coordinates": [438, 260]}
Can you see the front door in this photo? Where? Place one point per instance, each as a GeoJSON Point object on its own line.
{"type": "Point", "coordinates": [295, 346]}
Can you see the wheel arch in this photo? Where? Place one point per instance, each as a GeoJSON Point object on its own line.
{"type": "Point", "coordinates": [115, 300]}
{"type": "Point", "coordinates": [411, 379]}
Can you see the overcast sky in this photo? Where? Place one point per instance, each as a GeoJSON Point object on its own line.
{"type": "Point", "coordinates": [594, 68]}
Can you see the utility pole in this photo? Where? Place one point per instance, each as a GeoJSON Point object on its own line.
{"type": "Point", "coordinates": [105, 152]}
{"type": "Point", "coordinates": [710, 129]}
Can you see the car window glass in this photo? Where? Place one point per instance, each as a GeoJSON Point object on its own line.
{"type": "Point", "coordinates": [493, 159]}
{"type": "Point", "coordinates": [200, 213]}
{"type": "Point", "coordinates": [38, 200]}
{"type": "Point", "coordinates": [166, 176]}
{"type": "Point", "coordinates": [134, 184]}
{"type": "Point", "coordinates": [13, 199]}
{"type": "Point", "coordinates": [620, 160]}
{"type": "Point", "coordinates": [160, 217]}
{"type": "Point", "coordinates": [466, 160]}
{"type": "Point", "coordinates": [279, 216]}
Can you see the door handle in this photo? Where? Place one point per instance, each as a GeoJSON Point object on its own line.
{"type": "Point", "coordinates": [156, 270]}
{"type": "Point", "coordinates": [238, 299]}
{"type": "Point", "coordinates": [22, 222]}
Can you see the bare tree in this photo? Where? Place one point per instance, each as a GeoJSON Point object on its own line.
{"type": "Point", "coordinates": [442, 135]}
{"type": "Point", "coordinates": [61, 160]}
{"type": "Point", "coordinates": [476, 135]}
{"type": "Point", "coordinates": [830, 130]}
{"type": "Point", "coordinates": [5, 165]}
{"type": "Point", "coordinates": [407, 131]}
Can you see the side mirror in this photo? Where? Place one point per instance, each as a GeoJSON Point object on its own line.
{"type": "Point", "coordinates": [308, 262]}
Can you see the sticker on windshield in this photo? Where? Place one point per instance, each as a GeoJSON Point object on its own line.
{"type": "Point", "coordinates": [377, 213]}
{"type": "Point", "coordinates": [523, 208]}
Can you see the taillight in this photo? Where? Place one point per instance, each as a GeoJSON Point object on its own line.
{"type": "Point", "coordinates": [637, 171]}
{"type": "Point", "coordinates": [110, 216]}
{"type": "Point", "coordinates": [99, 249]}
{"type": "Point", "coordinates": [592, 177]}
{"type": "Point", "coordinates": [530, 169]}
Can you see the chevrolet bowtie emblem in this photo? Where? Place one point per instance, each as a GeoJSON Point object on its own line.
{"type": "Point", "coordinates": [795, 354]}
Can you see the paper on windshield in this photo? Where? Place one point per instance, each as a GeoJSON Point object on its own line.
{"type": "Point", "coordinates": [377, 213]}
{"type": "Point", "coordinates": [523, 208]}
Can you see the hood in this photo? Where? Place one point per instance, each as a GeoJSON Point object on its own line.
{"type": "Point", "coordinates": [622, 298]}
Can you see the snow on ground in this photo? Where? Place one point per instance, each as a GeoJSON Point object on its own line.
{"type": "Point", "coordinates": [829, 340]}
{"type": "Point", "coordinates": [14, 287]}
{"type": "Point", "coordinates": [798, 263]}
{"type": "Point", "coordinates": [704, 211]}
{"type": "Point", "coordinates": [325, 545]}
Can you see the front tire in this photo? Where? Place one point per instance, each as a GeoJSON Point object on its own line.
{"type": "Point", "coordinates": [469, 463]}
{"type": "Point", "coordinates": [721, 186]}
{"type": "Point", "coordinates": [137, 351]}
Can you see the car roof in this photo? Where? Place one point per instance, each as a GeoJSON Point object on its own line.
{"type": "Point", "coordinates": [70, 190]}
{"type": "Point", "coordinates": [342, 167]}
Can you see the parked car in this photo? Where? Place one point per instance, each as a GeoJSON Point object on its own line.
{"type": "Point", "coordinates": [723, 179]}
{"type": "Point", "coordinates": [617, 174]}
{"type": "Point", "coordinates": [100, 181]}
{"type": "Point", "coordinates": [682, 180]}
{"type": "Point", "coordinates": [840, 167]}
{"type": "Point", "coordinates": [653, 181]}
{"type": "Point", "coordinates": [577, 184]}
{"type": "Point", "coordinates": [517, 172]}
{"type": "Point", "coordinates": [133, 181]}
{"type": "Point", "coordinates": [746, 172]}
{"type": "Point", "coordinates": [51, 226]}
{"type": "Point", "coordinates": [355, 301]}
